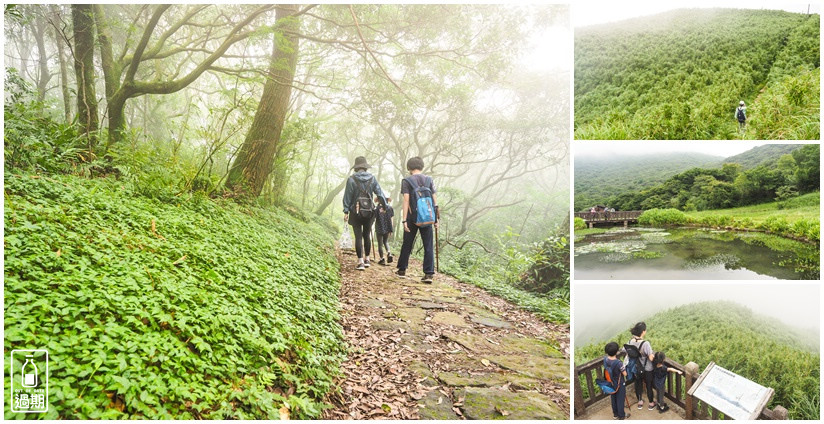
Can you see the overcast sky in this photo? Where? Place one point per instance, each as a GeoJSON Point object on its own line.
{"type": "Point", "coordinates": [597, 12]}
{"type": "Point", "coordinates": [637, 148]}
{"type": "Point", "coordinates": [795, 304]}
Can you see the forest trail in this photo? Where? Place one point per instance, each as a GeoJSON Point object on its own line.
{"type": "Point", "coordinates": [446, 350]}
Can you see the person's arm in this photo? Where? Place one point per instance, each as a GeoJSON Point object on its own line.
{"type": "Point", "coordinates": [405, 212]}
{"type": "Point", "coordinates": [670, 369]}
{"type": "Point", "coordinates": [437, 212]}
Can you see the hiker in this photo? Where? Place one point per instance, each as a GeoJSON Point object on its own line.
{"type": "Point", "coordinates": [660, 377]}
{"type": "Point", "coordinates": [643, 375]}
{"type": "Point", "coordinates": [358, 199]}
{"type": "Point", "coordinates": [617, 373]}
{"type": "Point", "coordinates": [383, 229]}
{"type": "Point", "coordinates": [418, 189]}
{"type": "Point", "coordinates": [741, 115]}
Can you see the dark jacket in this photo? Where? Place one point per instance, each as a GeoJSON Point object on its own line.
{"type": "Point", "coordinates": [366, 180]}
{"type": "Point", "coordinates": [383, 225]}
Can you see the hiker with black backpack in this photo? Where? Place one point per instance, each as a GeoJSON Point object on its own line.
{"type": "Point", "coordinates": [639, 364]}
{"type": "Point", "coordinates": [419, 214]}
{"type": "Point", "coordinates": [359, 210]}
{"type": "Point", "coordinates": [741, 115]}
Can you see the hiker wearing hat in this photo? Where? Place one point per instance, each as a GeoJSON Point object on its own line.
{"type": "Point", "coordinates": [741, 115]}
{"type": "Point", "coordinates": [359, 210]}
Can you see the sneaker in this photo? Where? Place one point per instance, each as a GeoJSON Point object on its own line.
{"type": "Point", "coordinates": [360, 266]}
{"type": "Point", "coordinates": [652, 406]}
{"type": "Point", "coordinates": [389, 257]}
{"type": "Point", "coordinates": [663, 408]}
{"type": "Point", "coordinates": [366, 263]}
{"type": "Point", "coordinates": [641, 404]}
{"type": "Point", "coordinates": [427, 278]}
{"type": "Point", "coordinates": [401, 273]}
{"type": "Point", "coordinates": [382, 261]}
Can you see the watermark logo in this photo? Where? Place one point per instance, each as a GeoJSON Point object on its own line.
{"type": "Point", "coordinates": [29, 381]}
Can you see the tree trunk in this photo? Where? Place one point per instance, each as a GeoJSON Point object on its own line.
{"type": "Point", "coordinates": [257, 154]}
{"type": "Point", "coordinates": [84, 71]}
{"type": "Point", "coordinates": [330, 197]}
{"type": "Point", "coordinates": [43, 74]}
{"type": "Point", "coordinates": [64, 72]}
{"type": "Point", "coordinates": [111, 70]}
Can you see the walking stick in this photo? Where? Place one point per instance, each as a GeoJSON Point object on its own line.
{"type": "Point", "coordinates": [437, 249]}
{"type": "Point", "coordinates": [373, 233]}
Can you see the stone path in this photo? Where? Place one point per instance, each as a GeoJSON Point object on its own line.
{"type": "Point", "coordinates": [446, 350]}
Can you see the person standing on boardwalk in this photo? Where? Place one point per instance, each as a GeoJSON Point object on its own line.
{"type": "Point", "coordinates": [383, 229]}
{"type": "Point", "coordinates": [359, 210]}
{"type": "Point", "coordinates": [415, 189]}
{"type": "Point", "coordinates": [741, 115]}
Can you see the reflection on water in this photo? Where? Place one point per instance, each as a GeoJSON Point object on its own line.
{"type": "Point", "coordinates": [692, 254]}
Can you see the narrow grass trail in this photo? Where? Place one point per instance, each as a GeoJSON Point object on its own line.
{"type": "Point", "coordinates": [446, 350]}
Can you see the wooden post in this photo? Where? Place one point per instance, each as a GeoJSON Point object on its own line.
{"type": "Point", "coordinates": [690, 374]}
{"type": "Point", "coordinates": [580, 408]}
{"type": "Point", "coordinates": [590, 224]}
{"type": "Point", "coordinates": [779, 413]}
{"type": "Point", "coordinates": [625, 223]}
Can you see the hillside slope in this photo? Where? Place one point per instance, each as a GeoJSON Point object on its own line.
{"type": "Point", "coordinates": [752, 345]}
{"type": "Point", "coordinates": [766, 155]}
{"type": "Point", "coordinates": [598, 177]}
{"type": "Point", "coordinates": [680, 75]}
{"type": "Point", "coordinates": [182, 310]}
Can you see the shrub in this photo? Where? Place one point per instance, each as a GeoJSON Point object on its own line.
{"type": "Point", "coordinates": [579, 223]}
{"type": "Point", "coordinates": [657, 217]}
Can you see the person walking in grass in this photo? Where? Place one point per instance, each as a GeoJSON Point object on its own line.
{"type": "Point", "coordinates": [741, 115]}
{"type": "Point", "coordinates": [383, 229]}
{"type": "Point", "coordinates": [418, 189]}
{"type": "Point", "coordinates": [359, 210]}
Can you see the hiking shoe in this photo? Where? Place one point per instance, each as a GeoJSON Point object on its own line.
{"type": "Point", "coordinates": [652, 406]}
{"type": "Point", "coordinates": [427, 278]}
{"type": "Point", "coordinates": [663, 408]}
{"type": "Point", "coordinates": [641, 405]}
{"type": "Point", "coordinates": [389, 257]}
{"type": "Point", "coordinates": [382, 261]}
{"type": "Point", "coordinates": [366, 263]}
{"type": "Point", "coordinates": [361, 266]}
{"type": "Point", "coordinates": [401, 273]}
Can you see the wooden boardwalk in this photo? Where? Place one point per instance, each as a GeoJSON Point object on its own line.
{"type": "Point", "coordinates": [618, 217]}
{"type": "Point", "coordinates": [602, 410]}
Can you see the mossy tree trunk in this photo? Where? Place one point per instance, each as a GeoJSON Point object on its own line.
{"type": "Point", "coordinates": [84, 71]}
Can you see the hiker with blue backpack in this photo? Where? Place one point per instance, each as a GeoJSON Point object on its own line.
{"type": "Point", "coordinates": [614, 381]}
{"type": "Point", "coordinates": [638, 363]}
{"type": "Point", "coordinates": [419, 214]}
{"type": "Point", "coordinates": [359, 210]}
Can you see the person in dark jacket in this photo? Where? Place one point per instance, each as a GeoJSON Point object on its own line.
{"type": "Point", "coordinates": [383, 229]}
{"type": "Point", "coordinates": [359, 210]}
{"type": "Point", "coordinates": [409, 215]}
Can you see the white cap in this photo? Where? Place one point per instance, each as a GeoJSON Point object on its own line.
{"type": "Point", "coordinates": [741, 103]}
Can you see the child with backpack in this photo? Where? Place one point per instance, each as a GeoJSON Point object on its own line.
{"type": "Point", "coordinates": [615, 372]}
{"type": "Point", "coordinates": [357, 199]}
{"type": "Point", "coordinates": [639, 364]}
{"type": "Point", "coordinates": [660, 377]}
{"type": "Point", "coordinates": [383, 229]}
{"type": "Point", "coordinates": [419, 214]}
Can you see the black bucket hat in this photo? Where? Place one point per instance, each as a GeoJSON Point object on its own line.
{"type": "Point", "coordinates": [360, 162]}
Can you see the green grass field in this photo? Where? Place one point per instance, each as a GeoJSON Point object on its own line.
{"type": "Point", "coordinates": [806, 207]}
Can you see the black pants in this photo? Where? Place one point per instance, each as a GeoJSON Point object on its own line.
{"type": "Point", "coordinates": [617, 401]}
{"type": "Point", "coordinates": [660, 395]}
{"type": "Point", "coordinates": [742, 124]}
{"type": "Point", "coordinates": [409, 243]}
{"type": "Point", "coordinates": [645, 378]}
{"type": "Point", "coordinates": [383, 243]}
{"type": "Point", "coordinates": [363, 235]}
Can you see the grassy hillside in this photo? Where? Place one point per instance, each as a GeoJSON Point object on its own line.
{"type": "Point", "coordinates": [188, 309]}
{"type": "Point", "coordinates": [806, 207]}
{"type": "Point", "coordinates": [680, 75]}
{"type": "Point", "coordinates": [597, 178]}
{"type": "Point", "coordinates": [737, 338]}
{"type": "Point", "coordinates": [766, 155]}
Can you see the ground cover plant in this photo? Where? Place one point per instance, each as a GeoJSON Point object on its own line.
{"type": "Point", "coordinates": [757, 347]}
{"type": "Point", "coordinates": [681, 74]}
{"type": "Point", "coordinates": [168, 310]}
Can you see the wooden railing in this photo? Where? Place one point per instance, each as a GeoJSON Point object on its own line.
{"type": "Point", "coordinates": [676, 388]}
{"type": "Point", "coordinates": [609, 216]}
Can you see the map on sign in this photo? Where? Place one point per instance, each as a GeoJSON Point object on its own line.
{"type": "Point", "coordinates": [735, 396]}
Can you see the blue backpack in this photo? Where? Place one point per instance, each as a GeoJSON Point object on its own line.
{"type": "Point", "coordinates": [606, 384]}
{"type": "Point", "coordinates": [424, 204]}
{"type": "Point", "coordinates": [634, 366]}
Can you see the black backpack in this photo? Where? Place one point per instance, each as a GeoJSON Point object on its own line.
{"type": "Point", "coordinates": [741, 116]}
{"type": "Point", "coordinates": [364, 206]}
{"type": "Point", "coordinates": [635, 361]}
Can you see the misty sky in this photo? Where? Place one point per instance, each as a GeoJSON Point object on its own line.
{"type": "Point", "coordinates": [633, 148]}
{"type": "Point", "coordinates": [795, 304]}
{"type": "Point", "coordinates": [588, 13]}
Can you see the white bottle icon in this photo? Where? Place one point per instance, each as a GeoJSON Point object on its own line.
{"type": "Point", "coordinates": [29, 372]}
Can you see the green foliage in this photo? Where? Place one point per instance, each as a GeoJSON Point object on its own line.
{"type": "Point", "coordinates": [736, 338]}
{"type": "Point", "coordinates": [159, 310]}
{"type": "Point", "coordinates": [579, 224]}
{"type": "Point", "coordinates": [680, 75]}
{"type": "Point", "coordinates": [548, 271]}
{"type": "Point", "coordinates": [658, 217]}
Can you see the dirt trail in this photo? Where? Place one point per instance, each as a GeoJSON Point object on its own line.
{"type": "Point", "coordinates": [446, 350]}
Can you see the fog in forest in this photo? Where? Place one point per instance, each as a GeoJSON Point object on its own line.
{"type": "Point", "coordinates": [603, 310]}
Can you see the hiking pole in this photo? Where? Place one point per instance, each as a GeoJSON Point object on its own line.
{"type": "Point", "coordinates": [437, 249]}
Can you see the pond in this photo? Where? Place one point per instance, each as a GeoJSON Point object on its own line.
{"type": "Point", "coordinates": [640, 253]}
